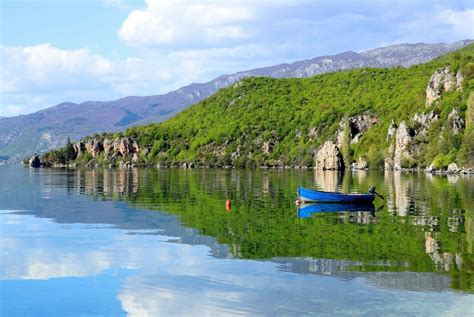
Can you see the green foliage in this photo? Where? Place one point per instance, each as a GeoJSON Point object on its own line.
{"type": "Point", "coordinates": [408, 162]}
{"type": "Point", "coordinates": [441, 161]}
{"type": "Point", "coordinates": [345, 147]}
{"type": "Point", "coordinates": [235, 125]}
{"type": "Point", "coordinates": [375, 158]}
{"type": "Point", "coordinates": [69, 153]}
{"type": "Point", "coordinates": [470, 111]}
{"type": "Point", "coordinates": [466, 152]}
{"type": "Point", "coordinates": [84, 158]}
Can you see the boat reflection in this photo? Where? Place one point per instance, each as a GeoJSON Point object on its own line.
{"type": "Point", "coordinates": [306, 210]}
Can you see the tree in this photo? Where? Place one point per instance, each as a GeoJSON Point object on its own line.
{"type": "Point", "coordinates": [70, 153]}
{"type": "Point", "coordinates": [346, 140]}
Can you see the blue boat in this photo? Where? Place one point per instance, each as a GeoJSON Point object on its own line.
{"type": "Point", "coordinates": [310, 195]}
{"type": "Point", "coordinates": [306, 210]}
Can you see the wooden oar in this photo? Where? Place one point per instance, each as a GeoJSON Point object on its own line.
{"type": "Point", "coordinates": [380, 196]}
{"type": "Point", "coordinates": [372, 191]}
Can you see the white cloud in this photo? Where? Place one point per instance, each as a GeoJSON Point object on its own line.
{"type": "Point", "coordinates": [176, 42]}
{"type": "Point", "coordinates": [36, 77]}
{"type": "Point", "coordinates": [39, 76]}
{"type": "Point", "coordinates": [187, 24]}
{"type": "Point", "coordinates": [461, 23]}
{"type": "Point", "coordinates": [40, 67]}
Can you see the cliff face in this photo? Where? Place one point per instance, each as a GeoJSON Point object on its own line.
{"type": "Point", "coordinates": [419, 117]}
{"type": "Point", "coordinates": [408, 142]}
{"type": "Point", "coordinates": [97, 151]}
{"type": "Point", "coordinates": [443, 80]}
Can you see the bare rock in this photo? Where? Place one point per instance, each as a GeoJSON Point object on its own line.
{"type": "Point", "coordinates": [313, 133]}
{"type": "Point", "coordinates": [403, 148]}
{"type": "Point", "coordinates": [358, 125]}
{"type": "Point", "coordinates": [431, 168]}
{"type": "Point", "coordinates": [389, 160]}
{"type": "Point", "coordinates": [456, 122]}
{"type": "Point", "coordinates": [94, 147]}
{"type": "Point", "coordinates": [79, 149]}
{"type": "Point", "coordinates": [441, 80]}
{"type": "Point", "coordinates": [403, 144]}
{"type": "Point", "coordinates": [362, 164]}
{"type": "Point", "coordinates": [425, 119]}
{"type": "Point", "coordinates": [268, 146]}
{"type": "Point", "coordinates": [453, 169]}
{"type": "Point", "coordinates": [108, 147]}
{"type": "Point", "coordinates": [329, 157]}
{"type": "Point", "coordinates": [392, 129]}
{"type": "Point", "coordinates": [125, 146]}
{"type": "Point", "coordinates": [459, 80]}
{"type": "Point", "coordinates": [135, 157]}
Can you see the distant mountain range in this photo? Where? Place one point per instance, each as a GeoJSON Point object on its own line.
{"type": "Point", "coordinates": [40, 131]}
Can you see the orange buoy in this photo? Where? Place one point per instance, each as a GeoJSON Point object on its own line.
{"type": "Point", "coordinates": [228, 204]}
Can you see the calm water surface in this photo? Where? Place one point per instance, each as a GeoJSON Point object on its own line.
{"type": "Point", "coordinates": [146, 242]}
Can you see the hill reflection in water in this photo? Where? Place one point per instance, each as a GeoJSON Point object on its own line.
{"type": "Point", "coordinates": [425, 225]}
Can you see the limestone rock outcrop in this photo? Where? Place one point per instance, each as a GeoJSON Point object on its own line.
{"type": "Point", "coordinates": [407, 142]}
{"type": "Point", "coordinates": [267, 147]}
{"type": "Point", "coordinates": [358, 125]}
{"type": "Point", "coordinates": [329, 157]}
{"type": "Point", "coordinates": [425, 120]}
{"type": "Point", "coordinates": [402, 149]}
{"type": "Point", "coordinates": [442, 80]}
{"type": "Point", "coordinates": [392, 129]}
{"type": "Point", "coordinates": [94, 147]}
{"type": "Point", "coordinates": [453, 169]}
{"type": "Point", "coordinates": [125, 146]}
{"type": "Point", "coordinates": [456, 122]}
{"type": "Point", "coordinates": [108, 147]}
{"type": "Point", "coordinates": [431, 168]}
{"type": "Point", "coordinates": [79, 149]}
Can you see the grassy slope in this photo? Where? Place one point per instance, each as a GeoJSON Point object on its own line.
{"type": "Point", "coordinates": [240, 118]}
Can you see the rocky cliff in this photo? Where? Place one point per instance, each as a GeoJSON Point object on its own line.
{"type": "Point", "coordinates": [90, 152]}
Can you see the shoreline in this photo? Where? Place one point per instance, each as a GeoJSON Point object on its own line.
{"type": "Point", "coordinates": [186, 166]}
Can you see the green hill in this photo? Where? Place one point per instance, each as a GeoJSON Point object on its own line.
{"type": "Point", "coordinates": [278, 122]}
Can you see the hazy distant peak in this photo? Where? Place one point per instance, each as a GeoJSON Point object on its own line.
{"type": "Point", "coordinates": [407, 54]}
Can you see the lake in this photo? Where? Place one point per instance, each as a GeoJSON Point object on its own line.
{"type": "Point", "coordinates": [160, 242]}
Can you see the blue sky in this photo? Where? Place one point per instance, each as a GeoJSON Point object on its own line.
{"type": "Point", "coordinates": [55, 51]}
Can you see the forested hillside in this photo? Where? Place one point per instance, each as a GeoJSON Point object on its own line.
{"type": "Point", "coordinates": [398, 117]}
